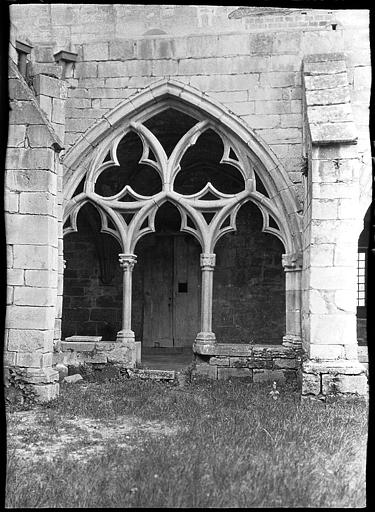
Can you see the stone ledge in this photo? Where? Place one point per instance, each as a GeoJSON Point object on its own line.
{"type": "Point", "coordinates": [335, 367]}
{"type": "Point", "coordinates": [239, 349]}
{"type": "Point", "coordinates": [323, 57]}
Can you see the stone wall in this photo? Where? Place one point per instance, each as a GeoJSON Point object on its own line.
{"type": "Point", "coordinates": [90, 307]}
{"type": "Point", "coordinates": [253, 68]}
{"type": "Point", "coordinates": [249, 283]}
{"type": "Point", "coordinates": [33, 176]}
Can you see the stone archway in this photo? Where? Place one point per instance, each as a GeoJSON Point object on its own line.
{"type": "Point", "coordinates": [206, 219]}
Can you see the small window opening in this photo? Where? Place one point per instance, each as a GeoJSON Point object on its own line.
{"type": "Point", "coordinates": [23, 50]}
{"type": "Point", "coordinates": [334, 25]}
{"type": "Point", "coordinates": [182, 287]}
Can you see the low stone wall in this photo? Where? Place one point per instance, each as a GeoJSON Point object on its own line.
{"type": "Point", "coordinates": [75, 353]}
{"type": "Point", "coordinates": [257, 363]}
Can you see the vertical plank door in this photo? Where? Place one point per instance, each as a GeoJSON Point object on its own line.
{"type": "Point", "coordinates": [186, 307]}
{"type": "Point", "coordinates": [158, 285]}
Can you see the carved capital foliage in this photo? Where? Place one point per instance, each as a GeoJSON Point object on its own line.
{"type": "Point", "coordinates": [127, 261]}
{"type": "Point", "coordinates": [208, 261]}
{"type": "Point", "coordinates": [292, 262]}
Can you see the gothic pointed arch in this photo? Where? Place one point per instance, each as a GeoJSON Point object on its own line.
{"type": "Point", "coordinates": [243, 149]}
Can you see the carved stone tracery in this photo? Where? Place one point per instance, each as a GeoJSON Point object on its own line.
{"type": "Point", "coordinates": [242, 151]}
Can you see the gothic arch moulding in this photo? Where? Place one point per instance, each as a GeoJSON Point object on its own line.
{"type": "Point", "coordinates": [86, 158]}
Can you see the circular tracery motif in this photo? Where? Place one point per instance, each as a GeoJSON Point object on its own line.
{"type": "Point", "coordinates": [168, 159]}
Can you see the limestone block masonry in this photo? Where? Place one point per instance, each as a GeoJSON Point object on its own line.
{"type": "Point", "coordinates": [287, 94]}
{"type": "Point", "coordinates": [33, 175]}
{"type": "Point", "coordinates": [255, 363]}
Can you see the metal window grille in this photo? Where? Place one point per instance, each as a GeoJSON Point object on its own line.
{"type": "Point", "coordinates": [361, 279]}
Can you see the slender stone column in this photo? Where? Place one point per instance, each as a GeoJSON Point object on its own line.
{"type": "Point", "coordinates": [292, 264]}
{"type": "Point", "coordinates": [127, 262]}
{"type": "Point", "coordinates": [206, 336]}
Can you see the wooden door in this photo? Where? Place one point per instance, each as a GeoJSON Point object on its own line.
{"type": "Point", "coordinates": [158, 285]}
{"type": "Point", "coordinates": [171, 292]}
{"type": "Point", "coordinates": [186, 294]}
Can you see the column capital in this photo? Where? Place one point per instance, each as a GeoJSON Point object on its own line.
{"type": "Point", "coordinates": [292, 262]}
{"type": "Point", "coordinates": [208, 260]}
{"type": "Point", "coordinates": [127, 261]}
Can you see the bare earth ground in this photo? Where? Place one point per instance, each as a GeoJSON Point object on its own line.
{"type": "Point", "coordinates": [27, 440]}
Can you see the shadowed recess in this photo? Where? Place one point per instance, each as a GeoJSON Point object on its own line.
{"type": "Point", "coordinates": [201, 164]}
{"type": "Point", "coordinates": [169, 126]}
{"type": "Point", "coordinates": [249, 283]}
{"type": "Point", "coordinates": [167, 218]}
{"type": "Point", "coordinates": [142, 178]}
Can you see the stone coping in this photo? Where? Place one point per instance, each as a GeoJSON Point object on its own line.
{"type": "Point", "coordinates": [88, 346]}
{"type": "Point", "coordinates": [239, 349]}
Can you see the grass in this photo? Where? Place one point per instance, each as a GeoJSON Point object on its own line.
{"type": "Point", "coordinates": [229, 445]}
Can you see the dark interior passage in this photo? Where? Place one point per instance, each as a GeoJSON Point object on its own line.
{"type": "Point", "coordinates": [92, 302]}
{"type": "Point", "coordinates": [249, 283]}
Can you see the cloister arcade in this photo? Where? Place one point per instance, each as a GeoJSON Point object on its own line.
{"type": "Point", "coordinates": [169, 182]}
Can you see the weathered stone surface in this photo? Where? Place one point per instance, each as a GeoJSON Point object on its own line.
{"type": "Point", "coordinates": [324, 133]}
{"type": "Point", "coordinates": [92, 358]}
{"type": "Point", "coordinates": [48, 86]}
{"type": "Point", "coordinates": [286, 363]}
{"type": "Point", "coordinates": [229, 373]}
{"type": "Point", "coordinates": [38, 257]}
{"type": "Point", "coordinates": [63, 371]}
{"type": "Point", "coordinates": [23, 340]}
{"type": "Point", "coordinates": [152, 374]}
{"type": "Point", "coordinates": [84, 346]}
{"type": "Point", "coordinates": [72, 379]}
{"type": "Point", "coordinates": [47, 392]}
{"type": "Point", "coordinates": [268, 375]}
{"type": "Point", "coordinates": [220, 361]}
{"type": "Point", "coordinates": [40, 278]}
{"type": "Point", "coordinates": [123, 354]}
{"type": "Point", "coordinates": [221, 349]}
{"type": "Point", "coordinates": [30, 317]}
{"type": "Point", "coordinates": [15, 276]}
{"type": "Point", "coordinates": [345, 384]}
{"type": "Point", "coordinates": [311, 384]}
{"type": "Point", "coordinates": [34, 296]}
{"type": "Point", "coordinates": [206, 370]}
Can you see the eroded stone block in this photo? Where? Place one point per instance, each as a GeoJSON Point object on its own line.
{"type": "Point", "coordinates": [220, 361]}
{"type": "Point", "coordinates": [345, 384]}
{"type": "Point", "coordinates": [268, 375]}
{"type": "Point", "coordinates": [229, 373]}
{"type": "Point", "coordinates": [310, 384]}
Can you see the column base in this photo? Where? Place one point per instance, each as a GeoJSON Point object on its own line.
{"type": "Point", "coordinates": [334, 378]}
{"type": "Point", "coordinates": [292, 341]}
{"type": "Point", "coordinates": [204, 339]}
{"type": "Point", "coordinates": [125, 336]}
{"type": "Point", "coordinates": [126, 352]}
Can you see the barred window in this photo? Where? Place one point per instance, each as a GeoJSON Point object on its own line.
{"type": "Point", "coordinates": [361, 278]}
